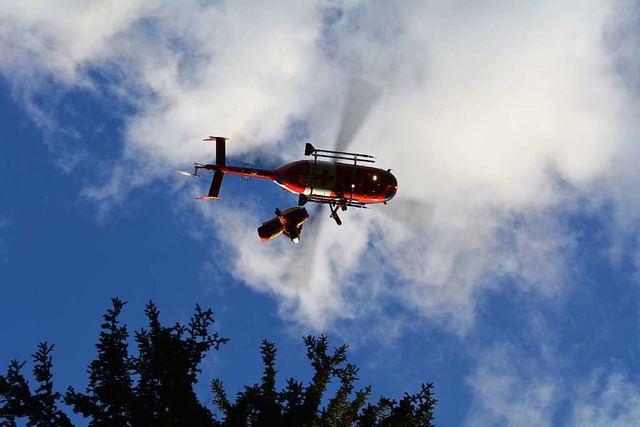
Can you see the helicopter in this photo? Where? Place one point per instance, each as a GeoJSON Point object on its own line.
{"type": "Point", "coordinates": [339, 179]}
{"type": "Point", "coordinates": [336, 178]}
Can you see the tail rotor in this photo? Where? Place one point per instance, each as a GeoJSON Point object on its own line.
{"type": "Point", "coordinates": [218, 168]}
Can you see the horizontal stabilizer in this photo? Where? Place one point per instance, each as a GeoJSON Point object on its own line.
{"type": "Point", "coordinates": [220, 149]}
{"type": "Point", "coordinates": [216, 183]}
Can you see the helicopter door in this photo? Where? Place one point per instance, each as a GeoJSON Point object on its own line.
{"type": "Point", "coordinates": [322, 178]}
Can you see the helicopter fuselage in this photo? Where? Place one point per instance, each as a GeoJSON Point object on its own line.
{"type": "Point", "coordinates": [337, 181]}
{"type": "Point", "coordinates": [325, 180]}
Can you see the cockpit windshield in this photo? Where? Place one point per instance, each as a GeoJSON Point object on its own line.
{"type": "Point", "coordinates": [392, 187]}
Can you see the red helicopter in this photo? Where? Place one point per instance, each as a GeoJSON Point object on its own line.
{"type": "Point", "coordinates": [332, 181]}
{"type": "Point", "coordinates": [339, 178]}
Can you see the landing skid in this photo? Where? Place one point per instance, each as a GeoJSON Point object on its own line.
{"type": "Point", "coordinates": [334, 212]}
{"type": "Point", "coordinates": [334, 205]}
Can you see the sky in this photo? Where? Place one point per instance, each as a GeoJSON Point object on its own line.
{"type": "Point", "coordinates": [517, 119]}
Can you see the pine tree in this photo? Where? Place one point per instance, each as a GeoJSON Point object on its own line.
{"type": "Point", "coordinates": [17, 400]}
{"type": "Point", "coordinates": [299, 405]}
{"type": "Point", "coordinates": [156, 386]}
{"type": "Point", "coordinates": [109, 395]}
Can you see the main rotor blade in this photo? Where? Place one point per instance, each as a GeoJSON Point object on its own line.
{"type": "Point", "coordinates": [361, 98]}
{"type": "Point", "coordinates": [413, 213]}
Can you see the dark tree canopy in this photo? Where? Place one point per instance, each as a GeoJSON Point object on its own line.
{"type": "Point", "coordinates": [155, 386]}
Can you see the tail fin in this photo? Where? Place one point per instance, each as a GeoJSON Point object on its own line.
{"type": "Point", "coordinates": [221, 160]}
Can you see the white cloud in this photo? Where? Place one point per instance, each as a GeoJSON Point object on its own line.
{"type": "Point", "coordinates": [502, 114]}
{"type": "Point", "coordinates": [51, 43]}
{"type": "Point", "coordinates": [606, 400]}
{"type": "Point", "coordinates": [533, 385]}
{"type": "Point", "coordinates": [511, 389]}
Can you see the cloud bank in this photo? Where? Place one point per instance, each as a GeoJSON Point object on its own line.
{"type": "Point", "coordinates": [512, 387]}
{"type": "Point", "coordinates": [510, 117]}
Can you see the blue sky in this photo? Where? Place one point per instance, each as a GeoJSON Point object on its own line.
{"type": "Point", "coordinates": [518, 120]}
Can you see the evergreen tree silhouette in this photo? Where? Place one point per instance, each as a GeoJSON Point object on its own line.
{"type": "Point", "coordinates": [40, 407]}
{"type": "Point", "coordinates": [155, 387]}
